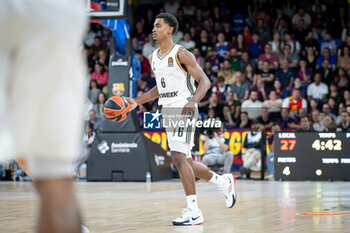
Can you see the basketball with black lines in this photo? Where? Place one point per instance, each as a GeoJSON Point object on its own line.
{"type": "Point", "coordinates": [116, 108]}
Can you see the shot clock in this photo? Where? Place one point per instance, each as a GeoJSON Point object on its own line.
{"type": "Point", "coordinates": [312, 156]}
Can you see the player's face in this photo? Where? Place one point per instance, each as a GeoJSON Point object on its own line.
{"type": "Point", "coordinates": [161, 30]}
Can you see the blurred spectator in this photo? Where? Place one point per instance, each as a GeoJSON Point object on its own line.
{"type": "Point", "coordinates": [93, 91]}
{"type": "Point", "coordinates": [221, 89]}
{"type": "Point", "coordinates": [140, 33]}
{"type": "Point", "coordinates": [266, 75]}
{"type": "Point", "coordinates": [216, 150]}
{"type": "Point", "coordinates": [189, 9]}
{"type": "Point", "coordinates": [327, 110]}
{"type": "Point", "coordinates": [149, 46]}
{"type": "Point", "coordinates": [301, 15]}
{"type": "Point", "coordinates": [294, 103]}
{"type": "Point", "coordinates": [240, 44]}
{"type": "Point", "coordinates": [297, 84]}
{"type": "Point", "coordinates": [249, 75]}
{"type": "Point", "coordinates": [265, 119]}
{"type": "Point", "coordinates": [199, 59]}
{"type": "Point", "coordinates": [99, 104]}
{"type": "Point", "coordinates": [100, 75]}
{"type": "Point", "coordinates": [294, 45]}
{"type": "Point", "coordinates": [301, 31]}
{"type": "Point", "coordinates": [90, 37]}
{"type": "Point", "coordinates": [213, 58]}
{"type": "Point", "coordinates": [234, 59]}
{"type": "Point", "coordinates": [319, 23]}
{"type": "Point", "coordinates": [330, 44]}
{"type": "Point", "coordinates": [145, 66]}
{"type": "Point", "coordinates": [318, 3]}
{"type": "Point", "coordinates": [345, 122]}
{"type": "Point", "coordinates": [254, 143]}
{"type": "Point", "coordinates": [222, 46]}
{"type": "Point", "coordinates": [135, 44]}
{"type": "Point", "coordinates": [278, 88]}
{"type": "Point", "coordinates": [88, 139]}
{"type": "Point", "coordinates": [334, 108]}
{"type": "Point", "coordinates": [310, 58]}
{"type": "Point", "coordinates": [286, 75]}
{"type": "Point", "coordinates": [289, 7]}
{"type": "Point", "coordinates": [326, 72]}
{"type": "Point", "coordinates": [334, 93]}
{"type": "Point", "coordinates": [285, 122]}
{"type": "Point", "coordinates": [171, 7]}
{"type": "Point", "coordinates": [228, 118]}
{"type": "Point", "coordinates": [204, 44]}
{"type": "Point", "coordinates": [208, 70]}
{"type": "Point", "coordinates": [346, 98]}
{"type": "Point", "coordinates": [273, 104]}
{"type": "Point", "coordinates": [261, 89]}
{"type": "Point", "coordinates": [95, 121]}
{"type": "Point", "coordinates": [235, 105]}
{"type": "Point", "coordinates": [316, 125]}
{"type": "Point", "coordinates": [270, 156]}
{"type": "Point", "coordinates": [344, 58]}
{"type": "Point", "coordinates": [327, 122]}
{"type": "Point", "coordinates": [245, 61]}
{"type": "Point", "coordinates": [342, 80]}
{"type": "Point", "coordinates": [305, 125]}
{"type": "Point", "coordinates": [292, 58]}
{"type": "Point", "coordinates": [255, 48]}
{"type": "Point", "coordinates": [252, 106]}
{"type": "Point", "coordinates": [304, 73]}
{"type": "Point", "coordinates": [243, 122]}
{"type": "Point", "coordinates": [97, 46]}
{"type": "Point", "coordinates": [187, 43]}
{"type": "Point", "coordinates": [268, 56]}
{"type": "Point", "coordinates": [103, 59]}
{"type": "Point", "coordinates": [149, 21]}
{"type": "Point", "coordinates": [240, 88]}
{"type": "Point", "coordinates": [276, 43]}
{"type": "Point", "coordinates": [227, 72]}
{"type": "Point", "coordinates": [263, 30]}
{"type": "Point", "coordinates": [317, 90]}
{"type": "Point", "coordinates": [310, 42]}
{"type": "Point", "coordinates": [248, 38]}
{"type": "Point", "coordinates": [326, 55]}
{"type": "Point", "coordinates": [215, 104]}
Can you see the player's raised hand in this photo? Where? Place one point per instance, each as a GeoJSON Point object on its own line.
{"type": "Point", "coordinates": [189, 108]}
{"type": "Point", "coordinates": [132, 103]}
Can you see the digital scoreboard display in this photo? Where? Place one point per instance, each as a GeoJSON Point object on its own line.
{"type": "Point", "coordinates": [312, 156]}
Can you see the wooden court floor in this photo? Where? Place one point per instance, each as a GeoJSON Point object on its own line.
{"type": "Point", "coordinates": [262, 206]}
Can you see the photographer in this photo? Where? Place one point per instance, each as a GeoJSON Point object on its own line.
{"type": "Point", "coordinates": [254, 144]}
{"type": "Point", "coordinates": [216, 149]}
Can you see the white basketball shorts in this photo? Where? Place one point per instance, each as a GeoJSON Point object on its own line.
{"type": "Point", "coordinates": [180, 135]}
{"type": "Point", "coordinates": [42, 83]}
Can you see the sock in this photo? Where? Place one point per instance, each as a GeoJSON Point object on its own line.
{"type": "Point", "coordinates": [217, 179]}
{"type": "Point", "coordinates": [192, 202]}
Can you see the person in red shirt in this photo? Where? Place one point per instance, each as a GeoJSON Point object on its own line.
{"type": "Point", "coordinates": [100, 75]}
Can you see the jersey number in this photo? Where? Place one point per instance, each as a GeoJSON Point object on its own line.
{"type": "Point", "coordinates": [162, 82]}
{"type": "Point", "coordinates": [181, 131]}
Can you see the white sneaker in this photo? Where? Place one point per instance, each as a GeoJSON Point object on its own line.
{"type": "Point", "coordinates": [228, 189]}
{"type": "Point", "coordinates": [189, 217]}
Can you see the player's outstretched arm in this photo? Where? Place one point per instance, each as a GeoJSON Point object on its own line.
{"type": "Point", "coordinates": [188, 60]}
{"type": "Point", "coordinates": [148, 96]}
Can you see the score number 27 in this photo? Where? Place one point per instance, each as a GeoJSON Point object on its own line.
{"type": "Point", "coordinates": [288, 144]}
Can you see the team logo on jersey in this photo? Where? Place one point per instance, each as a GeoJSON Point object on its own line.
{"type": "Point", "coordinates": [170, 62]}
{"type": "Point", "coordinates": [118, 89]}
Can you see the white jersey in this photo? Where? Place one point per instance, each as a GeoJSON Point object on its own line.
{"type": "Point", "coordinates": [174, 83]}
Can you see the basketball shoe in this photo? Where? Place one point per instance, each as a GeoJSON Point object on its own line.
{"type": "Point", "coordinates": [189, 217]}
{"type": "Point", "coordinates": [228, 189]}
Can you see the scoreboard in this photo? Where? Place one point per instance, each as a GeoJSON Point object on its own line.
{"type": "Point", "coordinates": [312, 156]}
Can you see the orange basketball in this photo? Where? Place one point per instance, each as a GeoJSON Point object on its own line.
{"type": "Point", "coordinates": [116, 108]}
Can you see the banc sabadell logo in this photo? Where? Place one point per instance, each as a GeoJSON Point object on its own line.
{"type": "Point", "coordinates": [151, 120]}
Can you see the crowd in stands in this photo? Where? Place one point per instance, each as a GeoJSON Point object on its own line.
{"type": "Point", "coordinates": [267, 60]}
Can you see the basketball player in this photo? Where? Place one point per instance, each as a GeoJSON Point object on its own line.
{"type": "Point", "coordinates": [174, 68]}
{"type": "Point", "coordinates": [41, 70]}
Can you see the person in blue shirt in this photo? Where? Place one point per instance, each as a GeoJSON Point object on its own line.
{"type": "Point", "coordinates": [255, 48]}
{"type": "Point", "coordinates": [326, 54]}
{"type": "Point", "coordinates": [286, 75]}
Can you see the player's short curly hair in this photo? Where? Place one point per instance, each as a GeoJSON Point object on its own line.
{"type": "Point", "coordinates": [170, 20]}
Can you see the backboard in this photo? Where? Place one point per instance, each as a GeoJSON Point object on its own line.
{"type": "Point", "coordinates": [106, 9]}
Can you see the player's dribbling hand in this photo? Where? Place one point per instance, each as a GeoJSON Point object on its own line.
{"type": "Point", "coordinates": [132, 103]}
{"type": "Point", "coordinates": [189, 108]}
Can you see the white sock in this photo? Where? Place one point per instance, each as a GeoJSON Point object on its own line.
{"type": "Point", "coordinates": [217, 179]}
{"type": "Point", "coordinates": [192, 202]}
